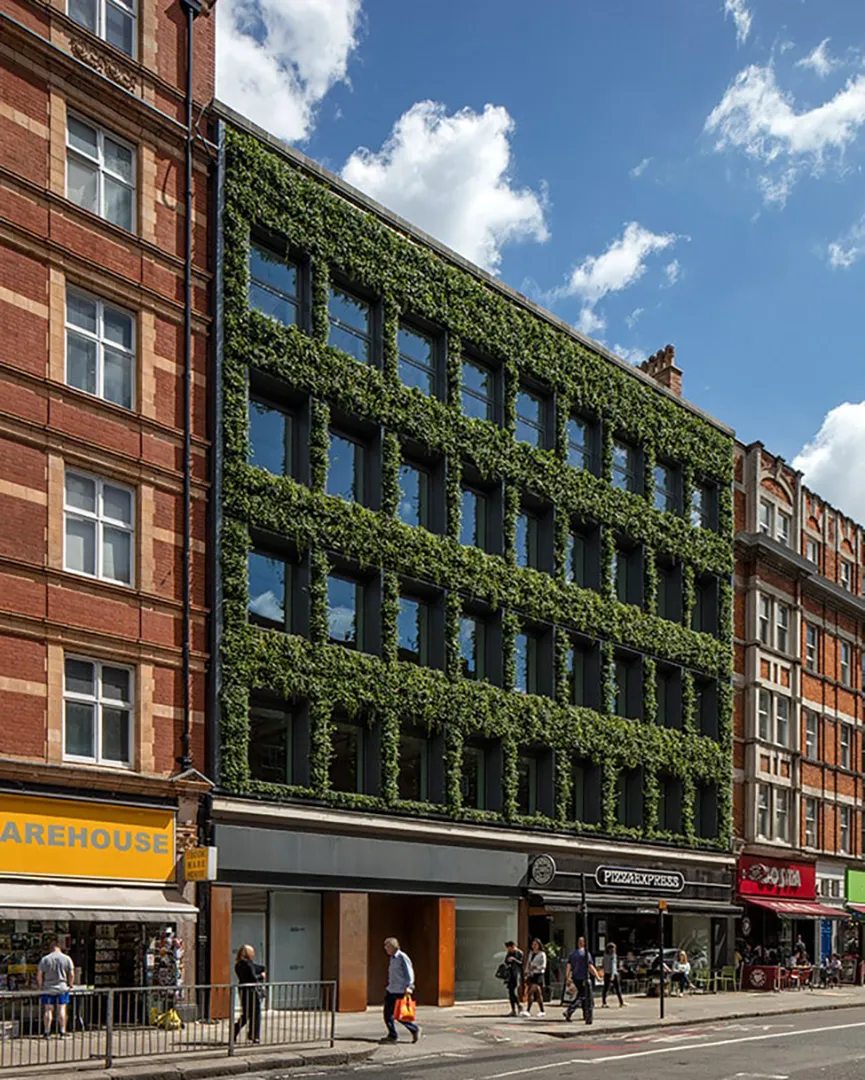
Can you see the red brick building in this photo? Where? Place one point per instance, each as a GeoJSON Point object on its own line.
{"type": "Point", "coordinates": [96, 722]}
{"type": "Point", "coordinates": [799, 632]}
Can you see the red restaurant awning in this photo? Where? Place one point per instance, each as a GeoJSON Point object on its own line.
{"type": "Point", "coordinates": [860, 908]}
{"type": "Point", "coordinates": [798, 909]}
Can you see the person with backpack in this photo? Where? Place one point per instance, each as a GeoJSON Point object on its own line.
{"type": "Point", "coordinates": [513, 975]}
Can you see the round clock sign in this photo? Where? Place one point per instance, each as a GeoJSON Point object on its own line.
{"type": "Point", "coordinates": [543, 870]}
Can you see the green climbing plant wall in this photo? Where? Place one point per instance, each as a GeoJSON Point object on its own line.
{"type": "Point", "coordinates": [266, 190]}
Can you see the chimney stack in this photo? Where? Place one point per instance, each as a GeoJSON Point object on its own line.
{"type": "Point", "coordinates": [662, 368]}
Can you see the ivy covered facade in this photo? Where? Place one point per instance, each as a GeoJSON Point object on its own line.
{"type": "Point", "coordinates": [472, 569]}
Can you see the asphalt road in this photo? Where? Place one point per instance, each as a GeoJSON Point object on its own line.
{"type": "Point", "coordinates": [792, 1047]}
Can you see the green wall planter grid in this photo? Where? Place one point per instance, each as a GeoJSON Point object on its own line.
{"type": "Point", "coordinates": [265, 190]}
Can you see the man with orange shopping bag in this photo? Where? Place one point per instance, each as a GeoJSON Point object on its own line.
{"type": "Point", "coordinates": [398, 995]}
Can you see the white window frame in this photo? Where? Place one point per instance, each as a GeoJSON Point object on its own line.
{"type": "Point", "coordinates": [845, 657]}
{"type": "Point", "coordinates": [782, 703]}
{"type": "Point", "coordinates": [782, 797]}
{"type": "Point", "coordinates": [764, 790]}
{"type": "Point", "coordinates": [812, 838]}
{"type": "Point", "coordinates": [809, 716]}
{"type": "Point", "coordinates": [98, 701]}
{"type": "Point", "coordinates": [100, 521]}
{"type": "Point", "coordinates": [764, 715]}
{"type": "Point", "coordinates": [782, 628]}
{"type": "Point", "coordinates": [100, 341]}
{"type": "Point", "coordinates": [764, 619]}
{"type": "Point", "coordinates": [845, 574]}
{"type": "Point", "coordinates": [845, 745]}
{"type": "Point", "coordinates": [812, 551]}
{"type": "Point", "coordinates": [101, 22]}
{"type": "Point", "coordinates": [766, 518]}
{"type": "Point", "coordinates": [783, 526]}
{"type": "Point", "coordinates": [812, 650]}
{"type": "Point", "coordinates": [844, 818]}
{"type": "Point", "coordinates": [99, 162]}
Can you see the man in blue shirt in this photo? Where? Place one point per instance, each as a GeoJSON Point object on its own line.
{"type": "Point", "coordinates": [581, 973]}
{"type": "Point", "coordinates": [400, 981]}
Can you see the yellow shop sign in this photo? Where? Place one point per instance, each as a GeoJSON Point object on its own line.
{"type": "Point", "coordinates": [56, 838]}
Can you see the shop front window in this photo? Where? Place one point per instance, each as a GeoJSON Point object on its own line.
{"type": "Point", "coordinates": [482, 927]}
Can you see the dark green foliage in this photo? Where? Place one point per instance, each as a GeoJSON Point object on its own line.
{"type": "Point", "coordinates": [264, 190]}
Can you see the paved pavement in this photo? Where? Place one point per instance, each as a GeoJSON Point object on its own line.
{"type": "Point", "coordinates": [806, 1046]}
{"type": "Point", "coordinates": [480, 1042]}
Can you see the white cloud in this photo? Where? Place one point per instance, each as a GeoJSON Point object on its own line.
{"type": "Point", "coordinates": [276, 59]}
{"type": "Point", "coordinates": [623, 263]}
{"type": "Point", "coordinates": [741, 18]}
{"type": "Point", "coordinates": [640, 168]}
{"type": "Point", "coordinates": [632, 355]}
{"type": "Point", "coordinates": [757, 118]}
{"type": "Point", "coordinates": [631, 319]}
{"type": "Point", "coordinates": [834, 460]}
{"type": "Point", "coordinates": [849, 248]}
{"type": "Point", "coordinates": [450, 174]}
{"type": "Point", "coordinates": [819, 60]}
{"type": "Point", "coordinates": [268, 606]}
{"type": "Point", "coordinates": [673, 270]}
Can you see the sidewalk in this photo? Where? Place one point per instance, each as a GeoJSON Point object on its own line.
{"type": "Point", "coordinates": [466, 1029]}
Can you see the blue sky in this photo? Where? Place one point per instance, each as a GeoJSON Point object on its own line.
{"type": "Point", "coordinates": [683, 171]}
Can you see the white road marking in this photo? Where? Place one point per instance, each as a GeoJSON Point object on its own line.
{"type": "Point", "coordinates": [672, 1050]}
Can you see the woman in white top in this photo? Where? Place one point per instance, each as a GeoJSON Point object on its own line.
{"type": "Point", "coordinates": [536, 974]}
{"type": "Point", "coordinates": [681, 975]}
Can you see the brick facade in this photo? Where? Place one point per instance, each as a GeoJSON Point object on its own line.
{"type": "Point", "coordinates": [799, 639]}
{"type": "Point", "coordinates": [51, 70]}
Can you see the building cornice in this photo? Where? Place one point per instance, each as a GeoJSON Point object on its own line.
{"type": "Point", "coordinates": [803, 569]}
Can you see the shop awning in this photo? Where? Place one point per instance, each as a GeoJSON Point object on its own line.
{"type": "Point", "coordinates": [562, 901]}
{"type": "Point", "coordinates": [799, 909]}
{"type": "Point", "coordinates": [858, 908]}
{"type": "Point", "coordinates": [91, 903]}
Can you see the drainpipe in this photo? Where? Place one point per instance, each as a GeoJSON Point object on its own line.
{"type": "Point", "coordinates": [192, 8]}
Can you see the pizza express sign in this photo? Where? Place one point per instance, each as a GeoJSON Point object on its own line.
{"type": "Point", "coordinates": [627, 877]}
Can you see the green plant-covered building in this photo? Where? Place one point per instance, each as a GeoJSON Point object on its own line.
{"type": "Point", "coordinates": [474, 606]}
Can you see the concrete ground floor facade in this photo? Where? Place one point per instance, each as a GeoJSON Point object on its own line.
{"type": "Point", "coordinates": [316, 891]}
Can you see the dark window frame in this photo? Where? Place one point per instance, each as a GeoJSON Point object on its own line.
{"type": "Point", "coordinates": [545, 424]}
{"type": "Point", "coordinates": [493, 401]}
{"type": "Point", "coordinates": [588, 451]}
{"type": "Point", "coordinates": [342, 283]}
{"type": "Point", "coordinates": [438, 340]}
{"type": "Point", "coordinates": [279, 249]}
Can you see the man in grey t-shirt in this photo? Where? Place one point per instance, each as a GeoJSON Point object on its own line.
{"type": "Point", "coordinates": [56, 977]}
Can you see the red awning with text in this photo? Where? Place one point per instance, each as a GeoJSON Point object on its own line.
{"type": "Point", "coordinates": [798, 909]}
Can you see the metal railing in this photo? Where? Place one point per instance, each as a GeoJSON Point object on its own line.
{"type": "Point", "coordinates": [105, 1025]}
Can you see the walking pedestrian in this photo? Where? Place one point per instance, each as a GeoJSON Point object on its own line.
{"type": "Point", "coordinates": [250, 977]}
{"type": "Point", "coordinates": [579, 972]}
{"type": "Point", "coordinates": [513, 974]}
{"type": "Point", "coordinates": [611, 975]}
{"type": "Point", "coordinates": [536, 971]}
{"type": "Point", "coordinates": [55, 977]}
{"type": "Point", "coordinates": [400, 981]}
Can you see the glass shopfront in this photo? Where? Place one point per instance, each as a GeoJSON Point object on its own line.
{"type": "Point", "coordinates": [482, 928]}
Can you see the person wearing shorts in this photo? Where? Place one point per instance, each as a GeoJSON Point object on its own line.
{"type": "Point", "coordinates": [55, 977]}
